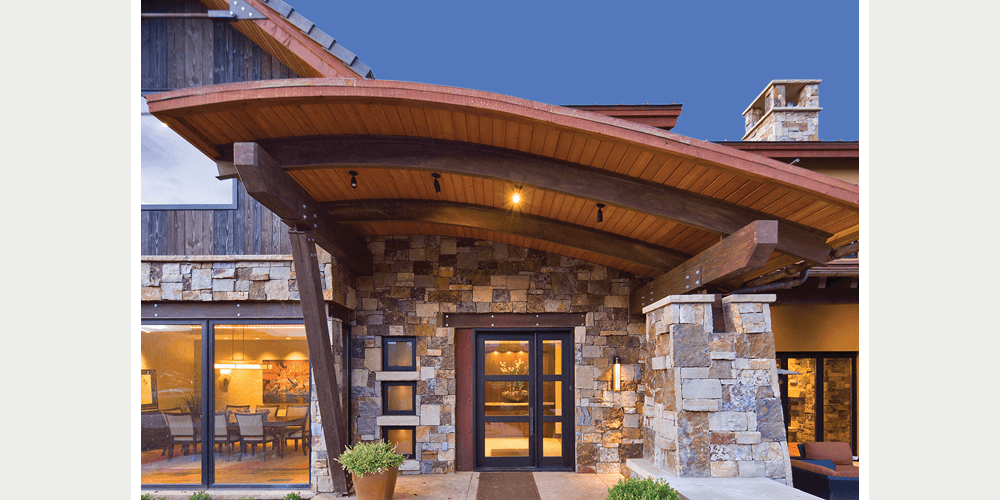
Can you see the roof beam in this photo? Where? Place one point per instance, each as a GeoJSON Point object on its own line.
{"type": "Point", "coordinates": [266, 182]}
{"type": "Point", "coordinates": [738, 253]}
{"type": "Point", "coordinates": [508, 222]}
{"type": "Point", "coordinates": [550, 174]}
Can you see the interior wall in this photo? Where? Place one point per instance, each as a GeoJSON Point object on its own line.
{"type": "Point", "coordinates": [815, 327]}
{"type": "Point", "coordinates": [247, 386]}
{"type": "Point", "coordinates": [176, 357]}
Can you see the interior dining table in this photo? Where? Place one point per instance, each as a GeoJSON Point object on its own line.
{"type": "Point", "coordinates": [279, 427]}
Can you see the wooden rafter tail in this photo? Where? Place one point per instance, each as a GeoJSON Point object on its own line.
{"type": "Point", "coordinates": [740, 252]}
{"type": "Point", "coordinates": [269, 184]}
{"type": "Point", "coordinates": [320, 351]}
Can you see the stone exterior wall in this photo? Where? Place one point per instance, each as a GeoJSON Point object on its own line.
{"type": "Point", "coordinates": [419, 277]}
{"type": "Point", "coordinates": [237, 278]}
{"type": "Point", "coordinates": [713, 408]}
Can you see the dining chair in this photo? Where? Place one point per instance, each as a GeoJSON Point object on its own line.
{"type": "Point", "coordinates": [182, 432]}
{"type": "Point", "coordinates": [223, 436]}
{"type": "Point", "coordinates": [237, 407]}
{"type": "Point", "coordinates": [272, 410]}
{"type": "Point", "coordinates": [299, 433]}
{"type": "Point", "coordinates": [252, 432]}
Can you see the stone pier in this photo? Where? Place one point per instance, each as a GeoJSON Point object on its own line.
{"type": "Point", "coordinates": [712, 406]}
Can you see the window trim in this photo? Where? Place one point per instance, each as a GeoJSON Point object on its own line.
{"type": "Point", "coordinates": [385, 354]}
{"type": "Point", "coordinates": [385, 397]}
{"type": "Point", "coordinates": [413, 433]}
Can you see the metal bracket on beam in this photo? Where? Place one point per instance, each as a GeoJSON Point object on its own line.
{"type": "Point", "coordinates": [238, 10]}
{"type": "Point", "coordinates": [221, 15]}
{"type": "Point", "coordinates": [692, 279]}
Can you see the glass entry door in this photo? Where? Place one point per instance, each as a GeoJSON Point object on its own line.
{"type": "Point", "coordinates": [524, 400]}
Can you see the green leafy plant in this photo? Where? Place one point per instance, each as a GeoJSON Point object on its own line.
{"type": "Point", "coordinates": [370, 458]}
{"type": "Point", "coordinates": [645, 489]}
{"type": "Point", "coordinates": [201, 495]}
{"type": "Point", "coordinates": [148, 496]}
{"type": "Point", "coordinates": [293, 496]}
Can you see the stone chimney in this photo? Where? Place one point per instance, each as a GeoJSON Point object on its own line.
{"type": "Point", "coordinates": [787, 110]}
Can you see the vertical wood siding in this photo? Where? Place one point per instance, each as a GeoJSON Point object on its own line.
{"type": "Point", "coordinates": [182, 53]}
{"type": "Point", "coordinates": [248, 229]}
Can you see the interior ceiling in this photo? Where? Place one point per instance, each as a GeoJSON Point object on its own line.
{"type": "Point", "coordinates": [562, 161]}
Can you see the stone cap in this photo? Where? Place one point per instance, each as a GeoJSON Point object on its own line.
{"type": "Point", "coordinates": [761, 297]}
{"type": "Point", "coordinates": [679, 299]}
{"type": "Point", "coordinates": [758, 101]}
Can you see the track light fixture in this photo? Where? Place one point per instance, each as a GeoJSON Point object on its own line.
{"type": "Point", "coordinates": [600, 212]}
{"type": "Point", "coordinates": [517, 195]}
{"type": "Point", "coordinates": [437, 185]}
{"type": "Point", "coordinates": [354, 179]}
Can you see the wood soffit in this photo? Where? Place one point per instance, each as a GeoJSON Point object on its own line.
{"type": "Point", "coordinates": [660, 189]}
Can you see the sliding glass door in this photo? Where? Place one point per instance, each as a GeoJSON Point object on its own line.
{"type": "Point", "coordinates": [253, 428]}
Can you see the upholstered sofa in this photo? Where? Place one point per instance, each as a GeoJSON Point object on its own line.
{"type": "Point", "coordinates": [826, 470]}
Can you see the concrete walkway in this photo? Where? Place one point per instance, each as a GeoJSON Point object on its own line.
{"type": "Point", "coordinates": [464, 485]}
{"type": "Point", "coordinates": [551, 486]}
{"type": "Point", "coordinates": [714, 488]}
{"type": "Point", "coordinates": [457, 486]}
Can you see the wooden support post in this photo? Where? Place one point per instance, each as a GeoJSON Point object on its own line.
{"type": "Point", "coordinates": [320, 352]}
{"type": "Point", "coordinates": [740, 252]}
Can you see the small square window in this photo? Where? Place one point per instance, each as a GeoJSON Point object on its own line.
{"type": "Point", "coordinates": [403, 438]}
{"type": "Point", "coordinates": [399, 353]}
{"type": "Point", "coordinates": [399, 398]}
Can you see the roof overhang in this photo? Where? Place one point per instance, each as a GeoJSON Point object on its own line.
{"type": "Point", "coordinates": [660, 188]}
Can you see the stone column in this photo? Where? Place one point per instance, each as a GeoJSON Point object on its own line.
{"type": "Point", "coordinates": [712, 407]}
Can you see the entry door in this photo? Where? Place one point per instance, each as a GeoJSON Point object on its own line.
{"type": "Point", "coordinates": [524, 400]}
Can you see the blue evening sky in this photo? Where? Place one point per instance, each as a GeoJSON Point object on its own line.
{"type": "Point", "coordinates": [712, 57]}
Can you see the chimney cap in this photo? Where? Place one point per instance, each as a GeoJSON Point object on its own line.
{"type": "Point", "coordinates": [758, 101]}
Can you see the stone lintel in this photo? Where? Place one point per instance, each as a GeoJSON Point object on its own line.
{"type": "Point", "coordinates": [680, 299]}
{"type": "Point", "coordinates": [385, 420]}
{"type": "Point", "coordinates": [414, 375]}
{"type": "Point", "coordinates": [761, 297]}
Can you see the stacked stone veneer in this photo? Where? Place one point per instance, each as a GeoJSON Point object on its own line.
{"type": "Point", "coordinates": [237, 278]}
{"type": "Point", "coordinates": [253, 278]}
{"type": "Point", "coordinates": [419, 278]}
{"type": "Point", "coordinates": [712, 406]}
{"type": "Point", "coordinates": [787, 110]}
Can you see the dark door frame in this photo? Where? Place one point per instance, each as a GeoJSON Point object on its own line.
{"type": "Point", "coordinates": [820, 356]}
{"type": "Point", "coordinates": [535, 418]}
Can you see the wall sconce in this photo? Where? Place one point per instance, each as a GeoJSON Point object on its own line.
{"type": "Point", "coordinates": [617, 373]}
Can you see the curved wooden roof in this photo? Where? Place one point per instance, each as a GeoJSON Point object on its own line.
{"type": "Point", "coordinates": [668, 196]}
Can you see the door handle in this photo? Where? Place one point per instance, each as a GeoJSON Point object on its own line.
{"type": "Point", "coordinates": [531, 421]}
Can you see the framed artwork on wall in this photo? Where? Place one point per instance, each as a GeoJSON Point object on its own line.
{"type": "Point", "coordinates": [147, 390]}
{"type": "Point", "coordinates": [286, 381]}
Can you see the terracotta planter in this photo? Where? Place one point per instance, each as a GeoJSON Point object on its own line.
{"type": "Point", "coordinates": [376, 486]}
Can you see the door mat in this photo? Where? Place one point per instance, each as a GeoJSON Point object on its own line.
{"type": "Point", "coordinates": [507, 486]}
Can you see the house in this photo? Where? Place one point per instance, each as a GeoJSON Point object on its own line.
{"type": "Point", "coordinates": [458, 269]}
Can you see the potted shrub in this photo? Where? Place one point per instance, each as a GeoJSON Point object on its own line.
{"type": "Point", "coordinates": [374, 466]}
